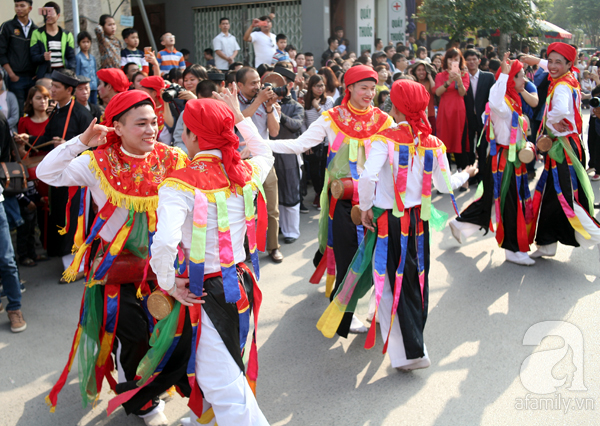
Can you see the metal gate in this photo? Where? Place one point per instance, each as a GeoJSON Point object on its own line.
{"type": "Point", "coordinates": [288, 20]}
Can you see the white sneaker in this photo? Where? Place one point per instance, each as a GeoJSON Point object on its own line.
{"type": "Point", "coordinates": [455, 231]}
{"type": "Point", "coordinates": [548, 250]}
{"type": "Point", "coordinates": [357, 327]}
{"type": "Point", "coordinates": [519, 257]}
{"type": "Point", "coordinates": [156, 419]}
{"type": "Point", "coordinates": [417, 365]}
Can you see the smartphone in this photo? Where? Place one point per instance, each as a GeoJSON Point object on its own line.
{"type": "Point", "coordinates": [454, 67]}
{"type": "Point", "coordinates": [263, 23]}
{"type": "Point", "coordinates": [147, 50]}
{"type": "Point", "coordinates": [47, 11]}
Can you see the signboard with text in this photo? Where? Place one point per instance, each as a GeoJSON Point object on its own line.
{"type": "Point", "coordinates": [397, 20]}
{"type": "Point", "coordinates": [365, 10]}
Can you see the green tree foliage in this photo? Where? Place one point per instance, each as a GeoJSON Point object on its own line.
{"type": "Point", "coordinates": [456, 17]}
{"type": "Point", "coordinates": [585, 14]}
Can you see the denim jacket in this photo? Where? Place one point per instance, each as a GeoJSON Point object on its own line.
{"type": "Point", "coordinates": [87, 68]}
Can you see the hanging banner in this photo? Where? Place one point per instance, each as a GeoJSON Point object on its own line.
{"type": "Point", "coordinates": [365, 10]}
{"type": "Point", "coordinates": [397, 20]}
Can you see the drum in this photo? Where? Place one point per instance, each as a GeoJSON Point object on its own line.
{"type": "Point", "coordinates": [342, 189]}
{"type": "Point", "coordinates": [160, 304]}
{"type": "Point", "coordinates": [544, 143]}
{"type": "Point", "coordinates": [528, 153]}
{"type": "Point", "coordinates": [355, 215]}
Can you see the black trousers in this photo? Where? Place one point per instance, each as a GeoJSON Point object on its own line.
{"type": "Point", "coordinates": [553, 225]}
{"type": "Point", "coordinates": [412, 316]}
{"type": "Point", "coordinates": [594, 145]}
{"type": "Point", "coordinates": [317, 162]}
{"type": "Point", "coordinates": [26, 234]}
{"type": "Point", "coordinates": [480, 211]}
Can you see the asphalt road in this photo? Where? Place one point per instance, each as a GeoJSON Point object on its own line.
{"type": "Point", "coordinates": [480, 310]}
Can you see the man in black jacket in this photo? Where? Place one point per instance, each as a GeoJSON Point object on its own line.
{"type": "Point", "coordinates": [475, 101]}
{"type": "Point", "coordinates": [15, 36]}
{"type": "Point", "coordinates": [286, 165]}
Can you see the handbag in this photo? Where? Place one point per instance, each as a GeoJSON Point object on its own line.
{"type": "Point", "coordinates": [13, 175]}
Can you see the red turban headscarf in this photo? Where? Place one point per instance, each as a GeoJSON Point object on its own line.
{"type": "Point", "coordinates": [566, 50]}
{"type": "Point", "coordinates": [120, 103]}
{"type": "Point", "coordinates": [411, 99]}
{"type": "Point", "coordinates": [212, 122]}
{"type": "Point", "coordinates": [515, 67]}
{"type": "Point", "coordinates": [115, 77]}
{"type": "Point", "coordinates": [356, 74]}
{"type": "Point", "coordinates": [155, 82]}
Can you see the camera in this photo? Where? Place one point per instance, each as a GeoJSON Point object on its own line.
{"type": "Point", "coordinates": [172, 92]}
{"type": "Point", "coordinates": [595, 102]}
{"type": "Point", "coordinates": [279, 91]}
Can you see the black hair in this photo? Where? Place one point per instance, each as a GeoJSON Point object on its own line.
{"type": "Point", "coordinates": [421, 49]}
{"type": "Point", "coordinates": [470, 46]}
{"type": "Point", "coordinates": [311, 68]}
{"type": "Point", "coordinates": [262, 69]}
{"type": "Point", "coordinates": [401, 49]}
{"type": "Point", "coordinates": [53, 5]}
{"type": "Point", "coordinates": [121, 115]}
{"type": "Point", "coordinates": [82, 36]}
{"type": "Point", "coordinates": [380, 95]}
{"type": "Point", "coordinates": [205, 88]}
{"type": "Point", "coordinates": [240, 76]}
{"type": "Point", "coordinates": [386, 49]}
{"type": "Point", "coordinates": [127, 32]}
{"type": "Point", "coordinates": [265, 18]}
{"type": "Point", "coordinates": [472, 52]}
{"type": "Point", "coordinates": [397, 57]}
{"type": "Point", "coordinates": [209, 51]}
{"type": "Point", "coordinates": [197, 71]}
{"type": "Point", "coordinates": [308, 54]}
{"type": "Point", "coordinates": [128, 64]}
{"type": "Point", "coordinates": [223, 19]}
{"type": "Point", "coordinates": [235, 64]}
{"type": "Point", "coordinates": [331, 40]}
{"type": "Point", "coordinates": [363, 60]}
{"type": "Point", "coordinates": [290, 47]}
{"type": "Point", "coordinates": [103, 19]}
{"type": "Point", "coordinates": [494, 65]}
{"type": "Point", "coordinates": [377, 40]}
{"type": "Point", "coordinates": [484, 61]}
{"type": "Point", "coordinates": [174, 75]}
{"type": "Point", "coordinates": [184, 51]}
{"type": "Point", "coordinates": [280, 37]}
{"type": "Point", "coordinates": [230, 77]}
{"type": "Point", "coordinates": [26, 1]}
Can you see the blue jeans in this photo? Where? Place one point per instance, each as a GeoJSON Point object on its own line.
{"type": "Point", "coordinates": [8, 266]}
{"type": "Point", "coordinates": [21, 89]}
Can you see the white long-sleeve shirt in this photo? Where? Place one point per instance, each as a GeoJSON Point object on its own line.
{"type": "Point", "coordinates": [500, 112]}
{"type": "Point", "coordinates": [376, 183]}
{"type": "Point", "coordinates": [63, 167]}
{"type": "Point", "coordinates": [562, 106]}
{"type": "Point", "coordinates": [313, 136]}
{"type": "Point", "coordinates": [176, 209]}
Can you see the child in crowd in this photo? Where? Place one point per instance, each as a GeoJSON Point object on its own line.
{"type": "Point", "coordinates": [292, 52]}
{"type": "Point", "coordinates": [422, 54]}
{"type": "Point", "coordinates": [109, 46]}
{"type": "Point", "coordinates": [186, 57]}
{"type": "Point", "coordinates": [209, 55]}
{"type": "Point", "coordinates": [382, 76]}
{"type": "Point", "coordinates": [131, 53]}
{"type": "Point", "coordinates": [169, 57]}
{"type": "Point", "coordinates": [280, 53]}
{"type": "Point", "coordinates": [86, 64]}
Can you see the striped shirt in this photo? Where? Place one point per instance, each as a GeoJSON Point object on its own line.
{"type": "Point", "coordinates": [168, 60]}
{"type": "Point", "coordinates": [135, 56]}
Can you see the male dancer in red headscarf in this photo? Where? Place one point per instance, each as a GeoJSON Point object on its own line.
{"type": "Point", "coordinates": [349, 130]}
{"type": "Point", "coordinates": [209, 208]}
{"type": "Point", "coordinates": [563, 204]}
{"type": "Point", "coordinates": [112, 81]}
{"type": "Point", "coordinates": [505, 185]}
{"type": "Point", "coordinates": [123, 175]}
{"type": "Point", "coordinates": [396, 250]}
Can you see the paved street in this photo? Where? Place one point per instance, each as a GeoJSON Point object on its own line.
{"type": "Point", "coordinates": [480, 309]}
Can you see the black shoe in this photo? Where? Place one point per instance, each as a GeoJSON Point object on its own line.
{"type": "Point", "coordinates": [289, 240]}
{"type": "Point", "coordinates": [303, 209]}
{"type": "Point", "coordinates": [597, 205]}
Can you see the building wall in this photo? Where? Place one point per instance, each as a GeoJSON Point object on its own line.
{"type": "Point", "coordinates": [8, 12]}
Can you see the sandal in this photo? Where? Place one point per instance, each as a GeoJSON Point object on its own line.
{"type": "Point", "coordinates": [41, 258]}
{"type": "Point", "coordinates": [27, 261]}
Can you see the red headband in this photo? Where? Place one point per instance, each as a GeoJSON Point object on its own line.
{"type": "Point", "coordinates": [120, 103]}
{"type": "Point", "coordinates": [356, 74]}
{"type": "Point", "coordinates": [566, 50]}
{"type": "Point", "coordinates": [115, 77]}
{"type": "Point", "coordinates": [411, 99]}
{"type": "Point", "coordinates": [515, 67]}
{"type": "Point", "coordinates": [212, 122]}
{"type": "Point", "coordinates": [155, 82]}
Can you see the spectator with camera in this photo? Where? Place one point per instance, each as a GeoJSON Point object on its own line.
{"type": "Point", "coordinates": [51, 47]}
{"type": "Point", "coordinates": [260, 103]}
{"type": "Point", "coordinates": [263, 41]}
{"type": "Point", "coordinates": [15, 58]}
{"type": "Point", "coordinates": [167, 114]}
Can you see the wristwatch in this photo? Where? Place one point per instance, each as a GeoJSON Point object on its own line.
{"type": "Point", "coordinates": [446, 84]}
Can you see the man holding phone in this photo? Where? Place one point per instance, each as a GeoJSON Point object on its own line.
{"type": "Point", "coordinates": [15, 37]}
{"type": "Point", "coordinates": [51, 47]}
{"type": "Point", "coordinates": [263, 41]}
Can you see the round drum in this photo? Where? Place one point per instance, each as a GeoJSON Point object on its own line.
{"type": "Point", "coordinates": [355, 215]}
{"type": "Point", "coordinates": [527, 154]}
{"type": "Point", "coordinates": [544, 143]}
{"type": "Point", "coordinates": [160, 304]}
{"type": "Point", "coordinates": [342, 189]}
